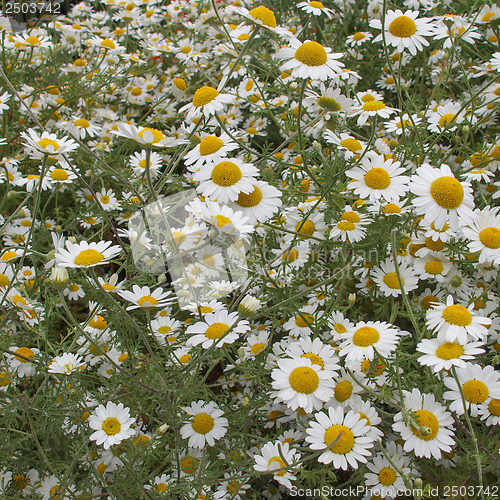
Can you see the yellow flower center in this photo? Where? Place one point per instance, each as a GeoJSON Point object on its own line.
{"type": "Point", "coordinates": [426, 301]}
{"type": "Point", "coordinates": [339, 328]}
{"type": "Point", "coordinates": [494, 407]}
{"type": "Point", "coordinates": [387, 476]}
{"type": "Point", "coordinates": [304, 380]}
{"type": "Point", "coordinates": [447, 192]}
{"type": "Point", "coordinates": [428, 425]}
{"type": "Point", "coordinates": [157, 135]}
{"type": "Point", "coordinates": [475, 391]}
{"type": "Point", "coordinates": [351, 144]}
{"type": "Point", "coordinates": [164, 329]}
{"type": "Point", "coordinates": [373, 368]}
{"type": "Point", "coordinates": [32, 40]}
{"type": "Point", "coordinates": [88, 257]}
{"type": "Point", "coordinates": [457, 315]}
{"type": "Point", "coordinates": [4, 280]}
{"type": "Point", "coordinates": [306, 227]}
{"type": "Point", "coordinates": [189, 464]}
{"type": "Point", "coordinates": [314, 358]}
{"type": "Point", "coordinates": [377, 178]}
{"type": "Point", "coordinates": [111, 426]}
{"type": "Point", "coordinates": [304, 320]}
{"type": "Point", "coordinates": [290, 256]}
{"type": "Point", "coordinates": [216, 330]}
{"type": "Point", "coordinates": [222, 220]}
{"type": "Point", "coordinates": [311, 54]}
{"type": "Point", "coordinates": [203, 423]}
{"type": "Point", "coordinates": [180, 84]}
{"type": "Point", "coordinates": [147, 301]}
{"type": "Point", "coordinates": [82, 122]}
{"type": "Point", "coordinates": [316, 5]}
{"type": "Point", "coordinates": [210, 145]}
{"type": "Point", "coordinates": [204, 95]}
{"type": "Point", "coordinates": [449, 350]}
{"type": "Point", "coordinates": [136, 91]}
{"type": "Point", "coordinates": [490, 237]}
{"type": "Point", "coordinates": [281, 464]}
{"type": "Point", "coordinates": [403, 27]}
{"type": "Point", "coordinates": [98, 322]}
{"type": "Point", "coordinates": [46, 142]}
{"type": "Point", "coordinates": [226, 173]}
{"type": "Point", "coordinates": [251, 199]}
{"type": "Point", "coordinates": [343, 391]}
{"type": "Point", "coordinates": [434, 267]}
{"type": "Point", "coordinates": [350, 216]}
{"type": "Point", "coordinates": [391, 208]}
{"type": "Point", "coordinates": [258, 347]}
{"type": "Point", "coordinates": [329, 104]}
{"type": "Point", "coordinates": [365, 336]}
{"type": "Point", "coordinates": [391, 280]}
{"type": "Point", "coordinates": [264, 15]}
{"type": "Point", "coordinates": [358, 36]}
{"type": "Point", "coordinates": [26, 352]}
{"type": "Point", "coordinates": [373, 106]}
{"type": "Point", "coordinates": [446, 119]}
{"type": "Point", "coordinates": [109, 44]}
{"type": "Point", "coordinates": [243, 37]}
{"type": "Point", "coordinates": [344, 444]}
{"type": "Point", "coordinates": [59, 174]}
{"type": "Point", "coordinates": [345, 225]}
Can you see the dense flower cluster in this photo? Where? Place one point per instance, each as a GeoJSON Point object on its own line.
{"type": "Point", "coordinates": [345, 157]}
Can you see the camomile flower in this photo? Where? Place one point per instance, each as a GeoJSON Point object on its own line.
{"type": "Point", "coordinates": [111, 424]}
{"type": "Point", "coordinates": [217, 328]}
{"type": "Point", "coordinates": [348, 145]}
{"type": "Point", "coordinates": [431, 432]}
{"type": "Point", "coordinates": [225, 180]}
{"type": "Point", "coordinates": [406, 122]}
{"type": "Point", "coordinates": [3, 99]}
{"type": "Point", "coordinates": [145, 135]}
{"type": "Point", "coordinates": [20, 360]}
{"type": "Point", "coordinates": [143, 297]}
{"type": "Point", "coordinates": [432, 266]}
{"type": "Point", "coordinates": [495, 61]}
{"type": "Point", "coordinates": [320, 354]}
{"type": "Point", "coordinates": [477, 383]}
{"type": "Point", "coordinates": [315, 8]}
{"type": "Point", "coordinates": [484, 235]}
{"type": "Point", "coordinates": [111, 284]}
{"type": "Point", "coordinates": [446, 117]}
{"type": "Point", "coordinates": [359, 38]}
{"type": "Point", "coordinates": [490, 412]}
{"type": "Point", "coordinates": [455, 321]}
{"type": "Point", "coordinates": [367, 412]}
{"type": "Point", "coordinates": [211, 149]}
{"type": "Point", "coordinates": [345, 388]}
{"type": "Point", "coordinates": [343, 434]}
{"type": "Point", "coordinates": [302, 322]}
{"type": "Point", "coordinates": [440, 197]}
{"type": "Point", "coordinates": [227, 220]}
{"type": "Point", "coordinates": [138, 163]}
{"type": "Point", "coordinates": [377, 178]}
{"type": "Point", "coordinates": [440, 354]}
{"type": "Point", "coordinates": [293, 257]}
{"type": "Point", "coordinates": [82, 128]}
{"type": "Point", "coordinates": [66, 363]}
{"type": "Point", "coordinates": [58, 175]}
{"type": "Point", "coordinates": [165, 329]}
{"type": "Point", "coordinates": [86, 254]}
{"type": "Point", "coordinates": [269, 460]}
{"type": "Point", "coordinates": [206, 102]}
{"type": "Point", "coordinates": [404, 31]}
{"type": "Point", "coordinates": [372, 108]}
{"type": "Point", "coordinates": [47, 144]}
{"type": "Point", "coordinates": [302, 384]}
{"type": "Point", "coordinates": [206, 424]}
{"type": "Point", "coordinates": [260, 204]}
{"type": "Point", "coordinates": [386, 278]}
{"type": "Point", "coordinates": [361, 341]}
{"type": "Point", "coordinates": [310, 60]}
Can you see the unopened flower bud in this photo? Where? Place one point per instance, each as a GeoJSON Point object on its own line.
{"type": "Point", "coordinates": [293, 86]}
{"type": "Point", "coordinates": [245, 401]}
{"type": "Point", "coordinates": [162, 278]}
{"type": "Point", "coordinates": [162, 429]}
{"type": "Point", "coordinates": [241, 352]}
{"type": "Point", "coordinates": [316, 146]}
{"type": "Point", "coordinates": [72, 239]}
{"type": "Point", "coordinates": [248, 305]}
{"type": "Point", "coordinates": [59, 277]}
{"type": "Point", "coordinates": [418, 483]}
{"type": "Point", "coordinates": [351, 299]}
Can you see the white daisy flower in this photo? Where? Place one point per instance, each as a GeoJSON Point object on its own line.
{"type": "Point", "coordinates": [322, 355]}
{"type": "Point", "coordinates": [361, 341]}
{"type": "Point", "coordinates": [495, 61]}
{"type": "Point", "coordinates": [372, 108]}
{"type": "Point", "coordinates": [206, 102]}
{"type": "Point", "coordinates": [66, 363]}
{"type": "Point", "coordinates": [217, 328]}
{"type": "Point", "coordinates": [484, 235]}
{"type": "Point", "coordinates": [111, 424]}
{"type": "Point", "coordinates": [377, 178]}
{"type": "Point", "coordinates": [224, 181]}
{"type": "Point", "coordinates": [343, 435]}
{"type": "Point", "coordinates": [440, 197]}
{"type": "Point", "coordinates": [456, 321]}
{"type": "Point", "coordinates": [165, 329]}
{"type": "Point", "coordinates": [269, 460]}
{"type": "Point", "coordinates": [82, 128]}
{"type": "Point", "coordinates": [446, 117]}
{"type": "Point", "coordinates": [21, 363]}
{"type": "Point", "coordinates": [440, 354]}
{"type": "Point", "coordinates": [206, 424]}
{"type": "Point", "coordinates": [310, 60]}
{"type": "Point", "coordinates": [431, 432]}
{"type": "Point", "coordinates": [433, 266]}
{"type": "Point", "coordinates": [367, 412]}
{"type": "Point", "coordinates": [386, 278]}
{"type": "Point", "coordinates": [144, 298]}
{"type": "Point", "coordinates": [477, 383]}
{"type": "Point", "coordinates": [211, 149]}
{"type": "Point", "coordinates": [302, 384]}
{"type": "Point", "coordinates": [345, 388]}
{"type": "Point", "coordinates": [404, 31]}
{"type": "Point", "coordinates": [315, 8]}
{"type": "Point", "coordinates": [490, 411]}
{"type": "Point", "coordinates": [358, 38]}
{"type": "Point", "coordinates": [86, 254]}
{"type": "Point", "coordinates": [138, 163]}
{"type": "Point", "coordinates": [47, 144]}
